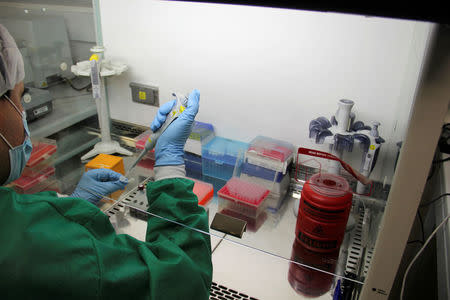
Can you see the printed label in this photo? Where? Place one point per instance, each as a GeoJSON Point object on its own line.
{"type": "Point", "coordinates": [317, 244]}
{"type": "Point", "coordinates": [40, 110]}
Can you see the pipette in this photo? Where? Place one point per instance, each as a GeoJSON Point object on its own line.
{"type": "Point", "coordinates": [178, 108]}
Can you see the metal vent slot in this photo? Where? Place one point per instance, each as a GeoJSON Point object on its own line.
{"type": "Point", "coordinates": [355, 249]}
{"type": "Point", "coordinates": [220, 292]}
{"type": "Point", "coordinates": [367, 261]}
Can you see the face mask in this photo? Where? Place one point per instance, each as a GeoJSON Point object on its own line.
{"type": "Point", "coordinates": [18, 156]}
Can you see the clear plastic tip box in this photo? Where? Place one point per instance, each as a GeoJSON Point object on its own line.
{"type": "Point", "coordinates": [270, 153]}
{"type": "Point", "coordinates": [219, 157]}
{"type": "Point", "coordinates": [242, 197]}
{"type": "Point", "coordinates": [200, 135]}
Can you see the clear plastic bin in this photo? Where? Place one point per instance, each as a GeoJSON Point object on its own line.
{"type": "Point", "coordinates": [201, 134]}
{"type": "Point", "coordinates": [201, 131]}
{"type": "Point", "coordinates": [270, 153]}
{"type": "Point", "coordinates": [243, 197]}
{"type": "Point", "coordinates": [219, 157]}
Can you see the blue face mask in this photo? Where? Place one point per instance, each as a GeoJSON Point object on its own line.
{"type": "Point", "coordinates": [18, 156]}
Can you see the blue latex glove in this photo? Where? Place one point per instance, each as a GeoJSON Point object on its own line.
{"type": "Point", "coordinates": [169, 149]}
{"type": "Point", "coordinates": [97, 183]}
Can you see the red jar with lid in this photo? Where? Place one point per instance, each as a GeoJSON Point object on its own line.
{"type": "Point", "coordinates": [325, 204]}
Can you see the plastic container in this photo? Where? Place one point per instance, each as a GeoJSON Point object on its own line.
{"type": "Point", "coordinates": [274, 201]}
{"type": "Point", "coordinates": [216, 182]}
{"type": "Point", "coordinates": [37, 169]}
{"type": "Point", "coordinates": [203, 190]}
{"type": "Point", "coordinates": [219, 157]}
{"type": "Point", "coordinates": [193, 162]}
{"type": "Point", "coordinates": [243, 197]}
{"type": "Point", "coordinates": [201, 134]}
{"type": "Point", "coordinates": [308, 282]}
{"type": "Point", "coordinates": [201, 131]}
{"type": "Point", "coordinates": [276, 187]}
{"type": "Point", "coordinates": [43, 149]}
{"type": "Point", "coordinates": [34, 184]}
{"type": "Point", "coordinates": [323, 212]}
{"type": "Point", "coordinates": [142, 138]}
{"type": "Point", "coordinates": [270, 153]}
{"type": "Point", "coordinates": [261, 172]}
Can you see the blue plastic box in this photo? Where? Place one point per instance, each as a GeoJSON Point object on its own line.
{"type": "Point", "coordinates": [219, 157]}
{"type": "Point", "coordinates": [258, 171]}
{"type": "Point", "coordinates": [193, 165]}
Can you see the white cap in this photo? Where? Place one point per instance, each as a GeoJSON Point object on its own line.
{"type": "Point", "coordinates": [11, 63]}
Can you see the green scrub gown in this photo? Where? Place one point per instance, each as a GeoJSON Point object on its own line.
{"type": "Point", "coordinates": [66, 248]}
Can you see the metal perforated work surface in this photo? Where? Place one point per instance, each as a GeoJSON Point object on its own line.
{"type": "Point", "coordinates": [220, 292]}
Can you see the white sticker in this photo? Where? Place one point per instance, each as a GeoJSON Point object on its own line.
{"type": "Point", "coordinates": [40, 110]}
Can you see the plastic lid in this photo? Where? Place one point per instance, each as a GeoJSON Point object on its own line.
{"type": "Point", "coordinates": [243, 191]}
{"type": "Point", "coordinates": [271, 148]}
{"type": "Point", "coordinates": [201, 130]}
{"type": "Point", "coordinates": [223, 148]}
{"type": "Point", "coordinates": [41, 151]}
{"type": "Point", "coordinates": [329, 185]}
{"type": "Point", "coordinates": [203, 190]}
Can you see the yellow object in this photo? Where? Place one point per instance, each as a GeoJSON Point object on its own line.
{"type": "Point", "coordinates": [106, 161]}
{"type": "Point", "coordinates": [142, 95]}
{"type": "Point", "coordinates": [93, 56]}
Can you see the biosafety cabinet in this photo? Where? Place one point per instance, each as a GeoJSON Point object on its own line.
{"type": "Point", "coordinates": [313, 143]}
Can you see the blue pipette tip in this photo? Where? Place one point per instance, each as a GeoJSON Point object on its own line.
{"type": "Point", "coordinates": [337, 291]}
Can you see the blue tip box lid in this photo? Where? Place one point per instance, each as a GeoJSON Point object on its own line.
{"type": "Point", "coordinates": [223, 150]}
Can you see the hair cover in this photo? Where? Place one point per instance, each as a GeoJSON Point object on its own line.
{"type": "Point", "coordinates": [11, 62]}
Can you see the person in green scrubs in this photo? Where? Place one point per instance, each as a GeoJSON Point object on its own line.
{"type": "Point", "coordinates": [64, 247]}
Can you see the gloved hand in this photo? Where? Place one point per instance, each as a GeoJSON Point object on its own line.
{"type": "Point", "coordinates": [97, 183]}
{"type": "Point", "coordinates": [169, 148]}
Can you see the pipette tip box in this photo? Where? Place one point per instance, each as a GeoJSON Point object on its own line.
{"type": "Point", "coordinates": [243, 197]}
{"type": "Point", "coordinates": [270, 153]}
{"type": "Point", "coordinates": [35, 183]}
{"type": "Point", "coordinates": [43, 149]}
{"type": "Point", "coordinates": [200, 135]}
{"type": "Point", "coordinates": [219, 157]}
{"type": "Point", "coordinates": [193, 165]}
{"type": "Point", "coordinates": [203, 190]}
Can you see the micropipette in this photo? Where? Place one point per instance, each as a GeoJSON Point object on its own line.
{"type": "Point", "coordinates": [178, 108]}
